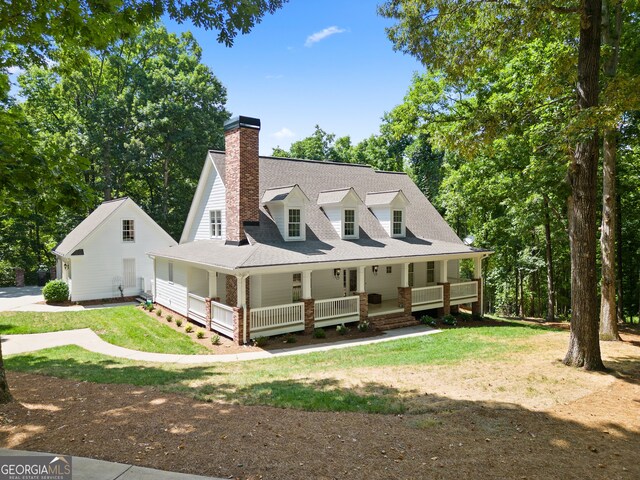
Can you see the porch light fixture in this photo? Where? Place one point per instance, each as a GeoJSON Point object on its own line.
{"type": "Point", "coordinates": [336, 273]}
{"type": "Point", "coordinates": [374, 269]}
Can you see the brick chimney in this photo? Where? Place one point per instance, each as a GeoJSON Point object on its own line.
{"type": "Point", "coordinates": [242, 181]}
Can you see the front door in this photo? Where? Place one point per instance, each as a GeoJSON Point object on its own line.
{"type": "Point", "coordinates": [350, 281]}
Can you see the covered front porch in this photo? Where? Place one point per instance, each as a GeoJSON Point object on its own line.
{"type": "Point", "coordinates": [273, 303]}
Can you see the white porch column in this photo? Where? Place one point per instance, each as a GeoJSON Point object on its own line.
{"type": "Point", "coordinates": [240, 290]}
{"type": "Point", "coordinates": [213, 284]}
{"type": "Point", "coordinates": [404, 275]}
{"type": "Point", "coordinates": [306, 284]}
{"type": "Point", "coordinates": [477, 267]}
{"type": "Point", "coordinates": [444, 269]}
{"type": "Point", "coordinates": [361, 274]}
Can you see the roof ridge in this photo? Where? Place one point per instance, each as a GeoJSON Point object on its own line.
{"type": "Point", "coordinates": [115, 200]}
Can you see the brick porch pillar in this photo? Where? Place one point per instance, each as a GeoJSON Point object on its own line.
{"type": "Point", "coordinates": [364, 306]}
{"type": "Point", "coordinates": [207, 310]}
{"type": "Point", "coordinates": [309, 315]}
{"type": "Point", "coordinates": [446, 299]}
{"type": "Point", "coordinates": [476, 307]}
{"type": "Point", "coordinates": [404, 299]}
{"type": "Point", "coordinates": [232, 290]}
{"type": "Point", "coordinates": [238, 327]}
{"type": "Point", "coordinates": [19, 277]}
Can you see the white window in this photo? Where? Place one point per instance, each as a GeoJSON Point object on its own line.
{"type": "Point", "coordinates": [389, 269]}
{"type": "Point", "coordinates": [349, 224]}
{"type": "Point", "coordinates": [294, 223]}
{"type": "Point", "coordinates": [128, 272]}
{"type": "Point", "coordinates": [215, 216]}
{"type": "Point", "coordinates": [170, 272]}
{"type": "Point", "coordinates": [431, 272]}
{"type": "Point", "coordinates": [128, 231]}
{"type": "Point", "coordinates": [411, 274]}
{"type": "Point", "coordinates": [398, 223]}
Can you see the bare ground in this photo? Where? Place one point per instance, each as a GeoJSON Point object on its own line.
{"type": "Point", "coordinates": [527, 418]}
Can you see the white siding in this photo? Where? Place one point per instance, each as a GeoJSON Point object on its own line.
{"type": "Point", "coordinates": [212, 199]}
{"type": "Point", "coordinates": [325, 285]}
{"type": "Point", "coordinates": [99, 272]}
{"type": "Point", "coordinates": [334, 214]}
{"type": "Point", "coordinates": [198, 281]}
{"type": "Point", "coordinates": [277, 289]}
{"type": "Point", "coordinates": [255, 291]}
{"type": "Point", "coordinates": [386, 284]}
{"type": "Point", "coordinates": [419, 274]}
{"type": "Point", "coordinates": [384, 217]}
{"type": "Point", "coordinates": [453, 270]}
{"type": "Point", "coordinates": [172, 295]}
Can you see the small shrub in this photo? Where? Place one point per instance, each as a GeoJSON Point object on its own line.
{"type": "Point", "coordinates": [342, 329]}
{"type": "Point", "coordinates": [427, 320]}
{"type": "Point", "coordinates": [289, 338]}
{"type": "Point", "coordinates": [151, 308]}
{"type": "Point", "coordinates": [319, 333]}
{"type": "Point", "coordinates": [188, 328]}
{"type": "Point", "coordinates": [215, 339]}
{"type": "Point", "coordinates": [169, 318]}
{"type": "Point", "coordinates": [449, 320]}
{"type": "Point", "coordinates": [179, 322]}
{"type": "Point", "coordinates": [200, 333]}
{"type": "Point", "coordinates": [56, 291]}
{"type": "Point", "coordinates": [159, 312]}
{"type": "Point", "coordinates": [465, 317]}
{"type": "Point", "coordinates": [364, 326]}
{"type": "Point", "coordinates": [260, 341]}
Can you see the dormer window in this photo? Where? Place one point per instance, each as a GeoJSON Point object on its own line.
{"type": "Point", "coordinates": [349, 223]}
{"type": "Point", "coordinates": [389, 209]}
{"type": "Point", "coordinates": [293, 224]}
{"type": "Point", "coordinates": [286, 207]}
{"type": "Point", "coordinates": [397, 227]}
{"type": "Point", "coordinates": [341, 208]}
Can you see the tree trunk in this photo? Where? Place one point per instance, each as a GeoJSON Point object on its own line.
{"type": "Point", "coordinates": [584, 347]}
{"type": "Point", "coordinates": [521, 306]}
{"type": "Point", "coordinates": [551, 293]}
{"type": "Point", "coordinates": [619, 262]}
{"type": "Point", "coordinates": [608, 309]}
{"type": "Point", "coordinates": [608, 306]}
{"type": "Point", "coordinates": [515, 307]}
{"type": "Point", "coordinates": [106, 172]}
{"type": "Point", "coordinates": [5, 394]}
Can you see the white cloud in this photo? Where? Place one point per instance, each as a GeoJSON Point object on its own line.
{"type": "Point", "coordinates": [15, 70]}
{"type": "Point", "coordinates": [322, 34]}
{"type": "Point", "coordinates": [283, 133]}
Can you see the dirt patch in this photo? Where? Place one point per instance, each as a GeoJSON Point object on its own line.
{"type": "Point", "coordinates": [467, 428]}
{"type": "Point", "coordinates": [227, 346]}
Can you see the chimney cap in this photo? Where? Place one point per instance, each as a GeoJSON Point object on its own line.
{"type": "Point", "coordinates": [241, 121]}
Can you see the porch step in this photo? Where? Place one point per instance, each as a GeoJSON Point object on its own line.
{"type": "Point", "coordinates": [143, 297]}
{"type": "Point", "coordinates": [393, 321]}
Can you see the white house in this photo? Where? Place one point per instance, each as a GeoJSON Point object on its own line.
{"type": "Point", "coordinates": [105, 255]}
{"type": "Point", "coordinates": [274, 245]}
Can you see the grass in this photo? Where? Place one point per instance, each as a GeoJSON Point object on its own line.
{"type": "Point", "coordinates": [288, 382]}
{"type": "Point", "coordinates": [124, 326]}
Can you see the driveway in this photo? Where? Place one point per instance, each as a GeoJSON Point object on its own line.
{"type": "Point", "coordinates": [13, 298]}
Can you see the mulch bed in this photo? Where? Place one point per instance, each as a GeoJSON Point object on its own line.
{"type": "Point", "coordinates": [227, 346]}
{"type": "Point", "coordinates": [596, 437]}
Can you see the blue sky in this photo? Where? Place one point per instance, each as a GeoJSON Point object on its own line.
{"type": "Point", "coordinates": [325, 62]}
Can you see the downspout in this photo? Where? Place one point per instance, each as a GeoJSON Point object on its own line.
{"type": "Point", "coordinates": [244, 308]}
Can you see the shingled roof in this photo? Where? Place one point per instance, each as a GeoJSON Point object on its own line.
{"type": "Point", "coordinates": [427, 233]}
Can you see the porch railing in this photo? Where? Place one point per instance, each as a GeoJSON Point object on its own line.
{"type": "Point", "coordinates": [197, 308]}
{"type": "Point", "coordinates": [222, 318]}
{"type": "Point", "coordinates": [277, 320]}
{"type": "Point", "coordinates": [334, 311]}
{"type": "Point", "coordinates": [426, 297]}
{"type": "Point", "coordinates": [464, 292]}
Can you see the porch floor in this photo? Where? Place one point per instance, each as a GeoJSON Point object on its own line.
{"type": "Point", "coordinates": [384, 308]}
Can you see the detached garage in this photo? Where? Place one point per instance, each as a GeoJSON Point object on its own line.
{"type": "Point", "coordinates": [105, 255]}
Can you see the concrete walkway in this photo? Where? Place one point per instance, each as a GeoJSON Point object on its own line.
{"type": "Point", "coordinates": [89, 469]}
{"type": "Point", "coordinates": [89, 340]}
{"type": "Point", "coordinates": [30, 299]}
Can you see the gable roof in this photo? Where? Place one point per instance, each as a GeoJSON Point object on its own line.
{"type": "Point", "coordinates": [333, 197]}
{"type": "Point", "coordinates": [427, 232]}
{"type": "Point", "coordinates": [385, 198]}
{"type": "Point", "coordinates": [90, 224]}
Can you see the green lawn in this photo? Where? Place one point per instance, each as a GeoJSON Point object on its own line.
{"type": "Point", "coordinates": [124, 326]}
{"type": "Point", "coordinates": [285, 381]}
